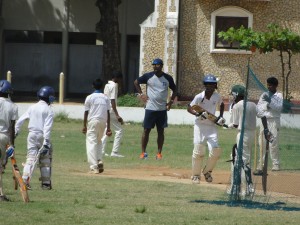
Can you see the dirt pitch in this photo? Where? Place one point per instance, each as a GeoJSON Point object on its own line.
{"type": "Point", "coordinates": [280, 184]}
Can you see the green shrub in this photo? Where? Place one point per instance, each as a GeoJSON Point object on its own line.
{"type": "Point", "coordinates": [129, 100]}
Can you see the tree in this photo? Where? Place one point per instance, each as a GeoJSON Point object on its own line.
{"type": "Point", "coordinates": [276, 38]}
{"type": "Point", "coordinates": [108, 31]}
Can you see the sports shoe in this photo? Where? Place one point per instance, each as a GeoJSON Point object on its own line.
{"type": "Point", "coordinates": [28, 186]}
{"type": "Point", "coordinates": [196, 179]}
{"type": "Point", "coordinates": [117, 155]}
{"type": "Point", "coordinates": [258, 172]}
{"type": "Point", "coordinates": [3, 198]}
{"type": "Point", "coordinates": [208, 177]}
{"type": "Point", "coordinates": [100, 166]}
{"type": "Point", "coordinates": [276, 167]}
{"type": "Point", "coordinates": [158, 156]}
{"type": "Point", "coordinates": [94, 171]}
{"type": "Point", "coordinates": [46, 186]}
{"type": "Point", "coordinates": [144, 155]}
{"type": "Point", "coordinates": [249, 189]}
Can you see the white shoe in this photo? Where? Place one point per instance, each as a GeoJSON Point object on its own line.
{"type": "Point", "coordinates": [195, 179]}
{"type": "Point", "coordinates": [276, 167]}
{"type": "Point", "coordinates": [208, 177]}
{"type": "Point", "coordinates": [114, 154]}
{"type": "Point", "coordinates": [250, 189]}
{"type": "Point", "coordinates": [105, 154]}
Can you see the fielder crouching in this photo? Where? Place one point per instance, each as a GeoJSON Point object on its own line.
{"type": "Point", "coordinates": [205, 130]}
{"type": "Point", "coordinates": [40, 116]}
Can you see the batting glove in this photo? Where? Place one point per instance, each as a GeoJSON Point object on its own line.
{"type": "Point", "coordinates": [221, 121]}
{"type": "Point", "coordinates": [203, 115]}
{"type": "Point", "coordinates": [268, 135]}
{"type": "Point", "coordinates": [45, 149]}
{"type": "Point", "coordinates": [10, 152]}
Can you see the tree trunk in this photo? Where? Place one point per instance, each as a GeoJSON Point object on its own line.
{"type": "Point", "coordinates": [288, 75]}
{"type": "Point", "coordinates": [108, 29]}
{"type": "Point", "coordinates": [282, 73]}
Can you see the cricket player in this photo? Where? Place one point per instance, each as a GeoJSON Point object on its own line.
{"type": "Point", "coordinates": [205, 131]}
{"type": "Point", "coordinates": [116, 121]}
{"type": "Point", "coordinates": [40, 116]}
{"type": "Point", "coordinates": [270, 106]}
{"type": "Point", "coordinates": [8, 116]}
{"type": "Point", "coordinates": [238, 93]}
{"type": "Point", "coordinates": [96, 119]}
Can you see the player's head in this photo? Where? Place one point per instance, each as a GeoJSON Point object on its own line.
{"type": "Point", "coordinates": [272, 84]}
{"type": "Point", "coordinates": [157, 65]}
{"type": "Point", "coordinates": [46, 94]}
{"type": "Point", "coordinates": [238, 92]}
{"type": "Point", "coordinates": [117, 76]}
{"type": "Point", "coordinates": [157, 61]}
{"type": "Point", "coordinates": [98, 84]}
{"type": "Point", "coordinates": [5, 88]}
{"type": "Point", "coordinates": [210, 82]}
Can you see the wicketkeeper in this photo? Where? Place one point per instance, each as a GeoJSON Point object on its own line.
{"type": "Point", "coordinates": [205, 131]}
{"type": "Point", "coordinates": [238, 93]}
{"type": "Point", "coordinates": [40, 116]}
{"type": "Point", "coordinates": [8, 116]}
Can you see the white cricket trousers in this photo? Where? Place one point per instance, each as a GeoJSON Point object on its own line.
{"type": "Point", "coordinates": [4, 141]}
{"type": "Point", "coordinates": [273, 126]}
{"type": "Point", "coordinates": [116, 126]}
{"type": "Point", "coordinates": [95, 131]}
{"type": "Point", "coordinates": [34, 143]}
{"type": "Point", "coordinates": [248, 143]}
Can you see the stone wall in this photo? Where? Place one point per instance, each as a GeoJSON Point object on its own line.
{"type": "Point", "coordinates": [195, 59]}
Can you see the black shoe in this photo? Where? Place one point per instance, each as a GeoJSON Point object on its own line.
{"type": "Point", "coordinates": [258, 173]}
{"type": "Point", "coordinates": [46, 186]}
{"type": "Point", "coordinates": [3, 198]}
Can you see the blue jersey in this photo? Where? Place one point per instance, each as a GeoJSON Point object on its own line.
{"type": "Point", "coordinates": [157, 90]}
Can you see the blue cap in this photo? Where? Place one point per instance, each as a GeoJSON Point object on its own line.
{"type": "Point", "coordinates": [157, 61]}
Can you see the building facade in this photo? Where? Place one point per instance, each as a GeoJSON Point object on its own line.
{"type": "Point", "coordinates": [183, 33]}
{"type": "Point", "coordinates": [41, 38]}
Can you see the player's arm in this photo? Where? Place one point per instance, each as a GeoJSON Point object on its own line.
{"type": "Point", "coordinates": [85, 116]}
{"type": "Point", "coordinates": [114, 108]}
{"type": "Point", "coordinates": [221, 109]}
{"type": "Point", "coordinates": [12, 133]}
{"type": "Point", "coordinates": [47, 128]}
{"type": "Point", "coordinates": [174, 93]}
{"type": "Point", "coordinates": [142, 96]}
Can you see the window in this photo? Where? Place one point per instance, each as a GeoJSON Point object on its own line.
{"type": "Point", "coordinates": [221, 20]}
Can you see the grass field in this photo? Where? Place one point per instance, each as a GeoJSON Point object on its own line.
{"type": "Point", "coordinates": [80, 198]}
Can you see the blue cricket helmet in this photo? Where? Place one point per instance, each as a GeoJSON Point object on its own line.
{"type": "Point", "coordinates": [209, 78]}
{"type": "Point", "coordinates": [5, 87]}
{"type": "Point", "coordinates": [47, 93]}
{"type": "Point", "coordinates": [157, 61]}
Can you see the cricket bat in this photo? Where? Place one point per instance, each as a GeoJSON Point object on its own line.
{"type": "Point", "coordinates": [210, 116]}
{"type": "Point", "coordinates": [18, 181]}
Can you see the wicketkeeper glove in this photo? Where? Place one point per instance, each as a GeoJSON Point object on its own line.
{"type": "Point", "coordinates": [221, 121]}
{"type": "Point", "coordinates": [202, 115]}
{"type": "Point", "coordinates": [10, 151]}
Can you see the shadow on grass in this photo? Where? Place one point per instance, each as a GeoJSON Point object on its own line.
{"type": "Point", "coordinates": [251, 204]}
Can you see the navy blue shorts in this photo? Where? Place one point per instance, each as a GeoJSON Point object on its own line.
{"type": "Point", "coordinates": [158, 118]}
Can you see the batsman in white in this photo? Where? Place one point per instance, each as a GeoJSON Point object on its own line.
{"type": "Point", "coordinates": [205, 131]}
{"type": "Point", "coordinates": [8, 116]}
{"type": "Point", "coordinates": [40, 116]}
{"type": "Point", "coordinates": [270, 106]}
{"type": "Point", "coordinates": [96, 119]}
{"type": "Point", "coordinates": [116, 121]}
{"type": "Point", "coordinates": [238, 93]}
